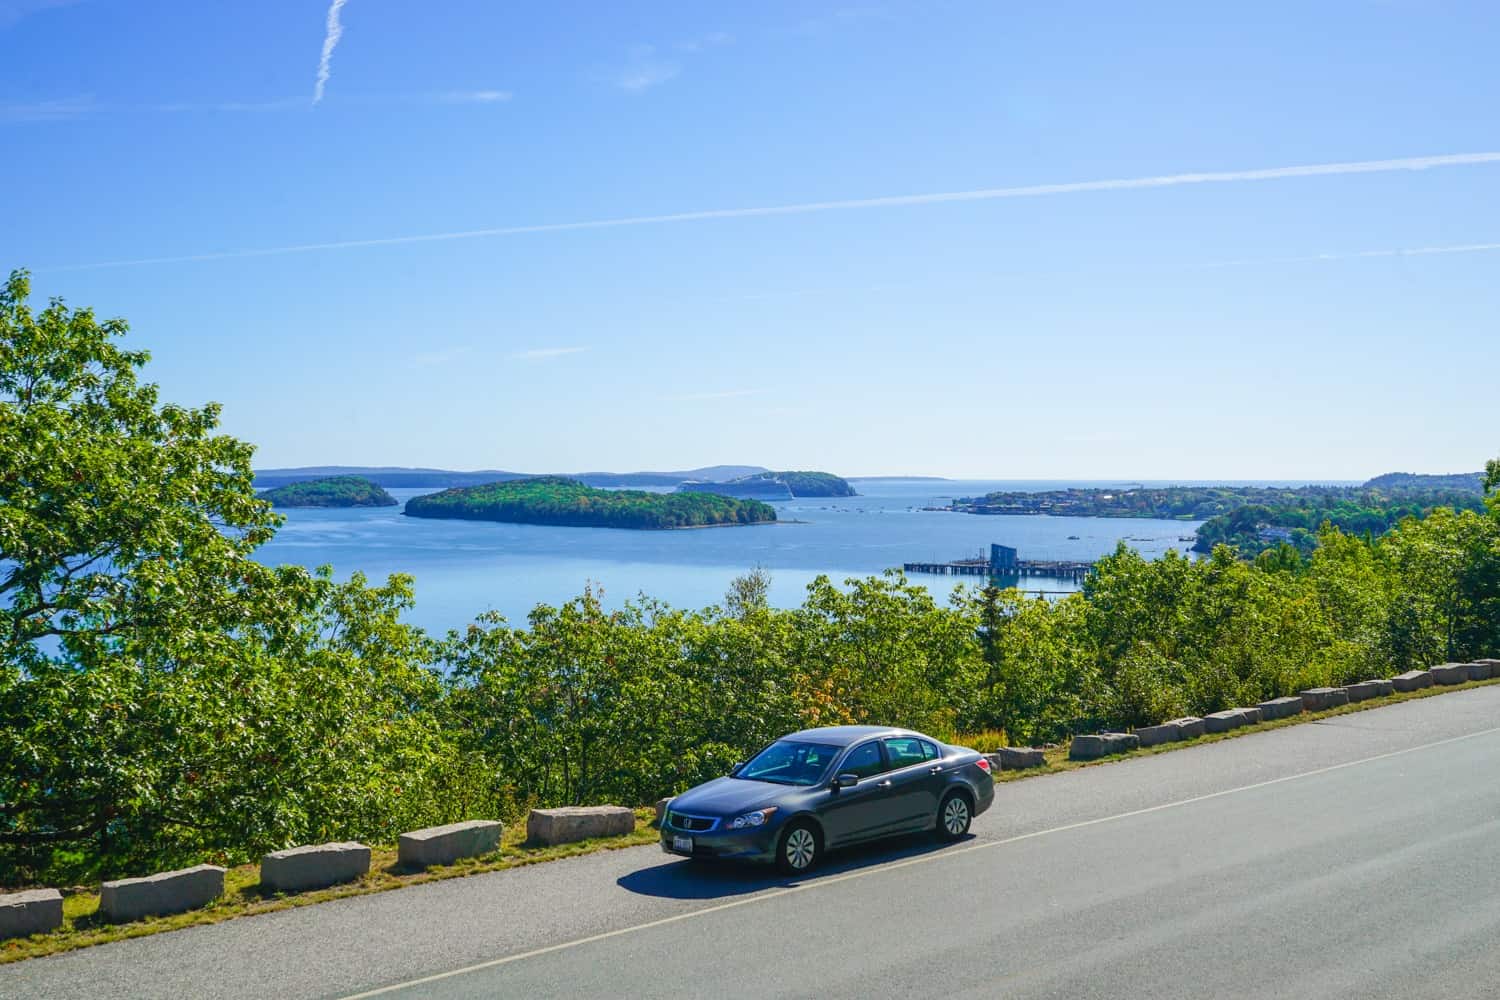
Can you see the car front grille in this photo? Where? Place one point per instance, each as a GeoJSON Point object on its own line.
{"type": "Point", "coordinates": [692, 824]}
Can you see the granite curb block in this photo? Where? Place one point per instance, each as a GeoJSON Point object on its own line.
{"type": "Point", "coordinates": [1450, 673]}
{"type": "Point", "coordinates": [1189, 727]}
{"type": "Point", "coordinates": [443, 845]}
{"type": "Point", "coordinates": [1018, 758]}
{"type": "Point", "coordinates": [314, 867]}
{"type": "Point", "coordinates": [1412, 680]}
{"type": "Point", "coordinates": [1281, 708]}
{"type": "Point", "coordinates": [1092, 746]}
{"type": "Point", "coordinates": [550, 827]}
{"type": "Point", "coordinates": [1252, 716]}
{"type": "Point", "coordinates": [1223, 722]}
{"type": "Point", "coordinates": [1480, 670]}
{"type": "Point", "coordinates": [35, 911]}
{"type": "Point", "coordinates": [1363, 690]}
{"type": "Point", "coordinates": [1318, 699]}
{"type": "Point", "coordinates": [1151, 736]}
{"type": "Point", "coordinates": [661, 808]}
{"type": "Point", "coordinates": [161, 894]}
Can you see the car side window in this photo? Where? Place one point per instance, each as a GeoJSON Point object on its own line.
{"type": "Point", "coordinates": [929, 752]}
{"type": "Point", "coordinates": [864, 760]}
{"type": "Point", "coordinates": [905, 751]}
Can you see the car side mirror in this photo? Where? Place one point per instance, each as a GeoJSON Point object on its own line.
{"type": "Point", "coordinates": [846, 781]}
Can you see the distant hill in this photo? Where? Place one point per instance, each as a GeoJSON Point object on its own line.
{"type": "Point", "coordinates": [776, 486]}
{"type": "Point", "coordinates": [398, 477]}
{"type": "Point", "coordinates": [333, 491]}
{"type": "Point", "coordinates": [558, 500]}
{"type": "Point", "coordinates": [1464, 481]}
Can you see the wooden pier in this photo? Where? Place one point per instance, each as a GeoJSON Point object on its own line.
{"type": "Point", "coordinates": [1003, 563]}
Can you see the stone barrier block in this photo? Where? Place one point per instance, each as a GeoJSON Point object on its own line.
{"type": "Point", "coordinates": [35, 911]}
{"type": "Point", "coordinates": [1383, 686]}
{"type": "Point", "coordinates": [1252, 716]}
{"type": "Point", "coordinates": [1222, 722]}
{"type": "Point", "coordinates": [1480, 670]}
{"type": "Point", "coordinates": [1280, 708]}
{"type": "Point", "coordinates": [563, 826]}
{"type": "Point", "coordinates": [1189, 727]}
{"type": "Point", "coordinates": [1150, 736]}
{"type": "Point", "coordinates": [1096, 745]}
{"type": "Point", "coordinates": [1363, 690]}
{"type": "Point", "coordinates": [1019, 758]}
{"type": "Point", "coordinates": [1318, 699]}
{"type": "Point", "coordinates": [1412, 680]}
{"type": "Point", "coordinates": [314, 866]}
{"type": "Point", "coordinates": [443, 845]}
{"type": "Point", "coordinates": [1450, 673]}
{"type": "Point", "coordinates": [661, 808]}
{"type": "Point", "coordinates": [161, 894]}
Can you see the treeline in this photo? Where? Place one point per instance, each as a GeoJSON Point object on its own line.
{"type": "Point", "coordinates": [1254, 528]}
{"type": "Point", "coordinates": [165, 699]}
{"type": "Point", "coordinates": [558, 500]}
{"type": "Point", "coordinates": [1199, 503]}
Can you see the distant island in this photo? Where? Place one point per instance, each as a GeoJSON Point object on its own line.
{"type": "Point", "coordinates": [399, 477]}
{"type": "Point", "coordinates": [333, 491]}
{"type": "Point", "coordinates": [1252, 519]}
{"type": "Point", "coordinates": [562, 501]}
{"type": "Point", "coordinates": [776, 486]}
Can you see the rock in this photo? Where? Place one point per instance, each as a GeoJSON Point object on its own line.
{"type": "Point", "coordinates": [1363, 690]}
{"type": "Point", "coordinates": [1018, 758]}
{"type": "Point", "coordinates": [1096, 745]}
{"type": "Point", "coordinates": [1150, 736]}
{"type": "Point", "coordinates": [1318, 699]}
{"type": "Point", "coordinates": [661, 808]}
{"type": "Point", "coordinates": [1450, 673]}
{"type": "Point", "coordinates": [1222, 722]}
{"type": "Point", "coordinates": [1412, 680]}
{"type": "Point", "coordinates": [161, 894]}
{"type": "Point", "coordinates": [1251, 716]}
{"type": "Point", "coordinates": [1189, 727]}
{"type": "Point", "coordinates": [563, 826]}
{"type": "Point", "coordinates": [443, 845]}
{"type": "Point", "coordinates": [35, 911]}
{"type": "Point", "coordinates": [1480, 670]}
{"type": "Point", "coordinates": [313, 867]}
{"type": "Point", "coordinates": [1280, 708]}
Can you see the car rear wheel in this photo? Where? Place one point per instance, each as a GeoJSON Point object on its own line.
{"type": "Point", "coordinates": [798, 848]}
{"type": "Point", "coordinates": [954, 816]}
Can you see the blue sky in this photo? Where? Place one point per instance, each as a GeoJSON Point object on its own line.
{"type": "Point", "coordinates": [1236, 327]}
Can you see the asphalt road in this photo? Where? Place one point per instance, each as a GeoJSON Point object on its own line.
{"type": "Point", "coordinates": [1358, 857]}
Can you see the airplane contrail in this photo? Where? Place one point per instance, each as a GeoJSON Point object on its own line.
{"type": "Point", "coordinates": [330, 41]}
{"type": "Point", "coordinates": [802, 208]}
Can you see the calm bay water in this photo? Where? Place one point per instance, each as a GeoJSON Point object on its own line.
{"type": "Point", "coordinates": [465, 567]}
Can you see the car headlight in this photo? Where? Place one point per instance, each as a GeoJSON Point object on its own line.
{"type": "Point", "coordinates": [756, 818]}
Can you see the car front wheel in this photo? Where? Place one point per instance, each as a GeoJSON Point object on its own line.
{"type": "Point", "coordinates": [798, 848]}
{"type": "Point", "coordinates": [954, 816]}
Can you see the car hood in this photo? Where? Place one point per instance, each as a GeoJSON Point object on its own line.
{"type": "Point", "coordinates": [729, 796]}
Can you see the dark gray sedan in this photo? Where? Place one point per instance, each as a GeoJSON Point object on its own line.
{"type": "Point", "coordinates": [825, 788]}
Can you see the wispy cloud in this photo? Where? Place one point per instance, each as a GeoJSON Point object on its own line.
{"type": "Point", "coordinates": [331, 36]}
{"type": "Point", "coordinates": [474, 96]}
{"type": "Point", "coordinates": [893, 201]}
{"type": "Point", "coordinates": [697, 397]}
{"type": "Point", "coordinates": [646, 70]}
{"type": "Point", "coordinates": [546, 353]}
{"type": "Point", "coordinates": [1365, 254]}
{"type": "Point", "coordinates": [57, 109]}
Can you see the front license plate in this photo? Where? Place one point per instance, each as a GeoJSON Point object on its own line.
{"type": "Point", "coordinates": [682, 844]}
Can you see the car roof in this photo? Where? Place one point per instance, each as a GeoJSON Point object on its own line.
{"type": "Point", "coordinates": [845, 735]}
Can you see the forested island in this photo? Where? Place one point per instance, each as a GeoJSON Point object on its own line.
{"type": "Point", "coordinates": [558, 500]}
{"type": "Point", "coordinates": [776, 486]}
{"type": "Point", "coordinates": [333, 491]}
{"type": "Point", "coordinates": [1252, 518]}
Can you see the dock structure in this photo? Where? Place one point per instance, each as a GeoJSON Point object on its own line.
{"type": "Point", "coordinates": [1003, 562]}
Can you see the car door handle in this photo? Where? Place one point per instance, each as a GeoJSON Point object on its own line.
{"type": "Point", "coordinates": [884, 784]}
{"type": "Point", "coordinates": [936, 769]}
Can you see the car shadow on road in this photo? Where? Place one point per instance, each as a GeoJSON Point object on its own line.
{"type": "Point", "coordinates": [682, 878]}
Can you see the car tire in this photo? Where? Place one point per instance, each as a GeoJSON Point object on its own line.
{"type": "Point", "coordinates": [798, 848]}
{"type": "Point", "coordinates": [955, 813]}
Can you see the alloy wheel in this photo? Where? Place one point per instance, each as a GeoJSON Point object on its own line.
{"type": "Point", "coordinates": [956, 816]}
{"type": "Point", "coordinates": [801, 846]}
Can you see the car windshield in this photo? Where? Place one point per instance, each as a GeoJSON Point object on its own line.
{"type": "Point", "coordinates": [789, 762]}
